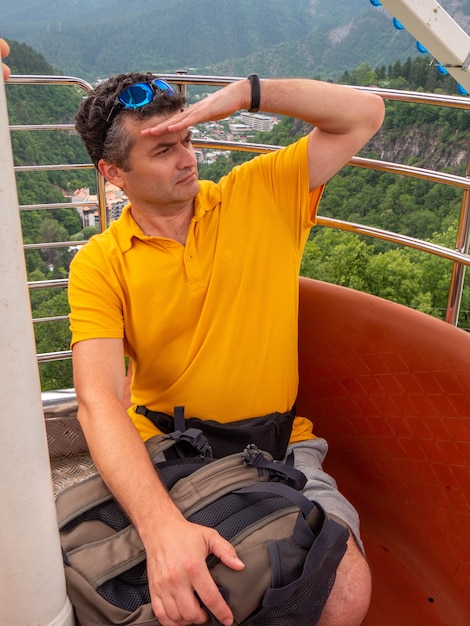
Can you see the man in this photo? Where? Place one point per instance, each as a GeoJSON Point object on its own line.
{"type": "Point", "coordinates": [197, 284]}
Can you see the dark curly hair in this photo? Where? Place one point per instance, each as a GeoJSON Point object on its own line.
{"type": "Point", "coordinates": [112, 143]}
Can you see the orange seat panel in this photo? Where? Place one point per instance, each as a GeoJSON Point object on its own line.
{"type": "Point", "coordinates": [389, 388]}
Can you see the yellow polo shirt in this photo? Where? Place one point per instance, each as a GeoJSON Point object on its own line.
{"type": "Point", "coordinates": [211, 325]}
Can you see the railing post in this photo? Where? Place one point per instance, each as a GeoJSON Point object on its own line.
{"type": "Point", "coordinates": [32, 584]}
{"type": "Point", "coordinates": [458, 269]}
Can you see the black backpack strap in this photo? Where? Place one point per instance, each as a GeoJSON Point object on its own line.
{"type": "Point", "coordinates": [305, 505]}
{"type": "Point", "coordinates": [179, 418]}
{"type": "Point", "coordinates": [277, 470]}
{"type": "Point", "coordinates": [190, 443]}
{"type": "Point", "coordinates": [194, 438]}
{"type": "Point", "coordinates": [164, 422]}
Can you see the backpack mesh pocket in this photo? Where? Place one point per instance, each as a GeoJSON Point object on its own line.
{"type": "Point", "coordinates": [306, 604]}
{"type": "Point", "coordinates": [129, 590]}
{"type": "Point", "coordinates": [110, 513]}
{"type": "Point", "coordinates": [234, 512]}
{"type": "Point", "coordinates": [170, 472]}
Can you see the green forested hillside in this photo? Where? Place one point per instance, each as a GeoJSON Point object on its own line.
{"type": "Point", "coordinates": [39, 104]}
{"type": "Point", "coordinates": [421, 135]}
{"type": "Point", "coordinates": [46, 105]}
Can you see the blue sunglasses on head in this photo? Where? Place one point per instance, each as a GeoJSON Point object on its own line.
{"type": "Point", "coordinates": [138, 95]}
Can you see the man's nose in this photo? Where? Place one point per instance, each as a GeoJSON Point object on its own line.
{"type": "Point", "coordinates": [187, 155]}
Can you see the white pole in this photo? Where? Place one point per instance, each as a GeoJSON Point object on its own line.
{"type": "Point", "coordinates": [32, 584]}
{"type": "Point", "coordinates": [432, 26]}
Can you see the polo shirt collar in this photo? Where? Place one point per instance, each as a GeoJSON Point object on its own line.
{"type": "Point", "coordinates": [126, 228]}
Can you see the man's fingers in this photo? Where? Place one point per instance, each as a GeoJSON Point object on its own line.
{"type": "Point", "coordinates": [224, 551]}
{"type": "Point", "coordinates": [4, 48]}
{"type": "Point", "coordinates": [185, 609]}
{"type": "Point", "coordinates": [5, 51]}
{"type": "Point", "coordinates": [208, 592]}
{"type": "Point", "coordinates": [211, 598]}
{"type": "Point", "coordinates": [174, 124]}
{"type": "Point", "coordinates": [216, 106]}
{"type": "Point", "coordinates": [180, 581]}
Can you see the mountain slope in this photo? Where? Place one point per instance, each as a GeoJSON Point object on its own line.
{"type": "Point", "coordinates": [367, 38]}
{"type": "Point", "coordinates": [104, 36]}
{"type": "Point", "coordinates": [94, 38]}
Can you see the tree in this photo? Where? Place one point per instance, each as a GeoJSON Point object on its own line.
{"type": "Point", "coordinates": [394, 276]}
{"type": "Point", "coordinates": [364, 75]}
{"type": "Point", "coordinates": [51, 231]}
{"type": "Point", "coordinates": [53, 336]}
{"type": "Point", "coordinates": [337, 257]}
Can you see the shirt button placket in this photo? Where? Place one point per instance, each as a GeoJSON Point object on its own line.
{"type": "Point", "coordinates": [191, 265]}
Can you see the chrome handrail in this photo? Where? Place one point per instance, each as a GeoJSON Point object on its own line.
{"type": "Point", "coordinates": [391, 237]}
{"type": "Point", "coordinates": [57, 205]}
{"type": "Point", "coordinates": [54, 244]}
{"type": "Point", "coordinates": [51, 168]}
{"type": "Point", "coordinates": [46, 357]}
{"type": "Point", "coordinates": [459, 256]}
{"type": "Point", "coordinates": [48, 284]}
{"type": "Point", "coordinates": [43, 127]}
{"type": "Point", "coordinates": [55, 318]}
{"type": "Point", "coordinates": [49, 79]}
{"type": "Point", "coordinates": [444, 178]}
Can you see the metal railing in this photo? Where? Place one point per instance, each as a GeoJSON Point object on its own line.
{"type": "Point", "coordinates": [459, 256]}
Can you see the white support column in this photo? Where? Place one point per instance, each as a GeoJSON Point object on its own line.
{"type": "Point", "coordinates": [432, 26]}
{"type": "Point", "coordinates": [32, 584]}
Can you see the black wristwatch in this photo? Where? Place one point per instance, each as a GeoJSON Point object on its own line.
{"type": "Point", "coordinates": [255, 93]}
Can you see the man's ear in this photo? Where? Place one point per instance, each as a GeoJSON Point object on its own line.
{"type": "Point", "coordinates": [111, 172]}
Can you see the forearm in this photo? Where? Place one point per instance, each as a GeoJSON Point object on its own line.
{"type": "Point", "coordinates": [123, 462]}
{"type": "Point", "coordinates": [331, 108]}
{"type": "Point", "coordinates": [115, 445]}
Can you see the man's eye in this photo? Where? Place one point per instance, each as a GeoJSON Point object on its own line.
{"type": "Point", "coordinates": [162, 151]}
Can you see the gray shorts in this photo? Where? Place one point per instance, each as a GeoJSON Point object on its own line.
{"type": "Point", "coordinates": [322, 488]}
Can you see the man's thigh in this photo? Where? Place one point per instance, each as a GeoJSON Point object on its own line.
{"type": "Point", "coordinates": [321, 487]}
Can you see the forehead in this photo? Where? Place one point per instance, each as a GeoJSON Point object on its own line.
{"type": "Point", "coordinates": [134, 124]}
{"type": "Point", "coordinates": [144, 146]}
{"type": "Point", "coordinates": [134, 127]}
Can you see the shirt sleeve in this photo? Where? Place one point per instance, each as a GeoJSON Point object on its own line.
{"type": "Point", "coordinates": [95, 303]}
{"type": "Point", "coordinates": [284, 174]}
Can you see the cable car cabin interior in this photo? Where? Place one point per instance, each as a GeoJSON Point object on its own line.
{"type": "Point", "coordinates": [387, 386]}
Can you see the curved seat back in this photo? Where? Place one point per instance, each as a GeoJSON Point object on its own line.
{"type": "Point", "coordinates": [389, 388]}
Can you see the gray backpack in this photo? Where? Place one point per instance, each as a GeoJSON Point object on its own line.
{"type": "Point", "coordinates": [290, 547]}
